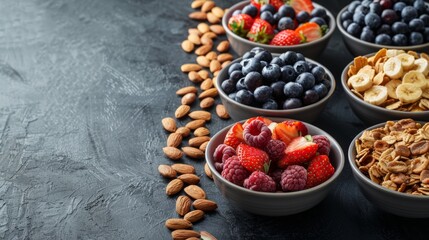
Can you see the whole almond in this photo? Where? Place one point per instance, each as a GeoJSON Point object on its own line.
{"type": "Point", "coordinates": [194, 216]}
{"type": "Point", "coordinates": [223, 46]}
{"type": "Point", "coordinates": [183, 234]}
{"type": "Point", "coordinates": [207, 102]}
{"type": "Point", "coordinates": [193, 238]}
{"type": "Point", "coordinates": [217, 28]}
{"type": "Point", "coordinates": [186, 90]}
{"type": "Point", "coordinates": [212, 18]}
{"type": "Point", "coordinates": [166, 171]}
{"type": "Point", "coordinates": [169, 124]}
{"type": "Point", "coordinates": [206, 84]}
{"type": "Point", "coordinates": [212, 55]}
{"type": "Point", "coordinates": [221, 111]}
{"type": "Point", "coordinates": [203, 27]}
{"type": "Point", "coordinates": [197, 3]}
{"type": "Point", "coordinates": [204, 74]}
{"type": "Point", "coordinates": [195, 124]}
{"type": "Point", "coordinates": [194, 77]}
{"type": "Point", "coordinates": [183, 205]}
{"type": "Point", "coordinates": [215, 65]}
{"type": "Point", "coordinates": [194, 38]}
{"type": "Point", "coordinates": [172, 153]}
{"type": "Point", "coordinates": [211, 35]}
{"type": "Point", "coordinates": [177, 223]}
{"type": "Point", "coordinates": [188, 46]}
{"type": "Point", "coordinates": [182, 111]}
{"type": "Point", "coordinates": [207, 171]}
{"type": "Point", "coordinates": [195, 192]}
{"type": "Point", "coordinates": [184, 131]}
{"type": "Point", "coordinates": [203, 50]}
{"type": "Point", "coordinates": [203, 61]}
{"type": "Point", "coordinates": [198, 16]}
{"type": "Point", "coordinates": [174, 186]}
{"type": "Point", "coordinates": [226, 63]}
{"type": "Point", "coordinates": [174, 139]}
{"type": "Point", "coordinates": [200, 114]}
{"type": "Point", "coordinates": [189, 178]}
{"type": "Point", "coordinates": [215, 73]}
{"type": "Point", "coordinates": [207, 236]}
{"type": "Point", "coordinates": [204, 205]}
{"type": "Point", "coordinates": [224, 57]}
{"type": "Point", "coordinates": [201, 131]}
{"type": "Point", "coordinates": [218, 12]}
{"type": "Point", "coordinates": [193, 152]}
{"type": "Point", "coordinates": [194, 31]}
{"type": "Point", "coordinates": [203, 146]}
{"type": "Point", "coordinates": [188, 98]}
{"type": "Point", "coordinates": [212, 92]}
{"type": "Point", "coordinates": [183, 168]}
{"type": "Point", "coordinates": [187, 67]}
{"type": "Point", "coordinates": [207, 6]}
{"type": "Point", "coordinates": [197, 141]}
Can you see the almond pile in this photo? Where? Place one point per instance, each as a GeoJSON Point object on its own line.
{"type": "Point", "coordinates": [187, 134]}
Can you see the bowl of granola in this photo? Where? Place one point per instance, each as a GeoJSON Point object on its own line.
{"type": "Point", "coordinates": [390, 163]}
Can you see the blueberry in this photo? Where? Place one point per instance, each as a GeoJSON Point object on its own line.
{"type": "Point", "coordinates": [420, 6]}
{"type": "Point", "coordinates": [276, 17]}
{"type": "Point", "coordinates": [400, 27]}
{"type": "Point", "coordinates": [302, 17]}
{"type": "Point", "coordinates": [278, 89]}
{"type": "Point", "coordinates": [416, 38]}
{"type": "Point", "coordinates": [268, 7]}
{"type": "Point", "coordinates": [262, 93]}
{"type": "Point", "coordinates": [426, 34]}
{"type": "Point", "coordinates": [319, 73]}
{"type": "Point", "coordinates": [346, 23]}
{"type": "Point", "coordinates": [253, 65]}
{"type": "Point", "coordinates": [416, 25]}
{"type": "Point", "coordinates": [375, 7]}
{"type": "Point", "coordinates": [271, 73]}
{"type": "Point", "coordinates": [270, 104]}
{"type": "Point", "coordinates": [346, 15]}
{"type": "Point", "coordinates": [354, 29]}
{"type": "Point", "coordinates": [245, 97]}
{"type": "Point", "coordinates": [293, 89]}
{"type": "Point", "coordinates": [383, 39]}
{"type": "Point", "coordinates": [240, 84]}
{"type": "Point", "coordinates": [353, 5]}
{"type": "Point", "coordinates": [318, 12]}
{"type": "Point", "coordinates": [232, 95]}
{"type": "Point", "coordinates": [286, 11]}
{"type": "Point", "coordinates": [253, 80]}
{"type": "Point", "coordinates": [248, 55]}
{"type": "Point", "coordinates": [278, 61]}
{"type": "Point", "coordinates": [384, 28]}
{"type": "Point", "coordinates": [263, 64]}
{"type": "Point", "coordinates": [301, 67]}
{"type": "Point", "coordinates": [310, 96]}
{"type": "Point", "coordinates": [409, 13]}
{"type": "Point", "coordinates": [362, 9]}
{"type": "Point", "coordinates": [257, 50]}
{"type": "Point", "coordinates": [327, 83]}
{"type": "Point", "coordinates": [289, 57]}
{"type": "Point", "coordinates": [236, 12]}
{"type": "Point", "coordinates": [286, 23]}
{"type": "Point", "coordinates": [306, 80]}
{"type": "Point", "coordinates": [365, 3]}
{"type": "Point", "coordinates": [288, 73]}
{"type": "Point", "coordinates": [234, 67]}
{"type": "Point", "coordinates": [372, 20]}
{"type": "Point", "coordinates": [359, 18]}
{"type": "Point", "coordinates": [228, 86]}
{"type": "Point", "coordinates": [268, 16]}
{"type": "Point", "coordinates": [400, 40]}
{"type": "Point", "coordinates": [264, 56]}
{"type": "Point", "coordinates": [250, 10]}
{"type": "Point", "coordinates": [367, 36]}
{"type": "Point", "coordinates": [398, 6]}
{"type": "Point", "coordinates": [236, 75]}
{"type": "Point", "coordinates": [321, 90]}
{"type": "Point", "coordinates": [389, 16]}
{"type": "Point", "coordinates": [320, 21]}
{"type": "Point", "coordinates": [291, 103]}
{"type": "Point", "coordinates": [300, 57]}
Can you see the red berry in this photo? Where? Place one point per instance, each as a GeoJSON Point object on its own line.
{"type": "Point", "coordinates": [257, 134]}
{"type": "Point", "coordinates": [234, 136]}
{"type": "Point", "coordinates": [285, 132]}
{"type": "Point", "coordinates": [240, 24]}
{"type": "Point", "coordinates": [301, 5]}
{"type": "Point", "coordinates": [261, 31]}
{"type": "Point", "coordinates": [319, 170]}
{"type": "Point", "coordinates": [234, 172]}
{"type": "Point", "coordinates": [324, 146]}
{"type": "Point", "coordinates": [299, 125]}
{"type": "Point", "coordinates": [252, 158]}
{"type": "Point", "coordinates": [259, 181]}
{"type": "Point", "coordinates": [299, 151]}
{"type": "Point", "coordinates": [286, 38]}
{"type": "Point", "coordinates": [294, 178]}
{"type": "Point", "coordinates": [309, 31]}
{"type": "Point", "coordinates": [275, 149]}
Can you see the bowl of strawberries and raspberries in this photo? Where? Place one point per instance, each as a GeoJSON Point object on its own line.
{"type": "Point", "coordinates": [274, 167]}
{"type": "Point", "coordinates": [278, 25]}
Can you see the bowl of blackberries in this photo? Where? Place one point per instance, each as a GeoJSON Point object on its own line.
{"type": "Point", "coordinates": [367, 26]}
{"type": "Point", "coordinates": [298, 25]}
{"type": "Point", "coordinates": [286, 85]}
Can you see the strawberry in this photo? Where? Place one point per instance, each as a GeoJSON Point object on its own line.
{"type": "Point", "coordinates": [309, 31]}
{"type": "Point", "coordinates": [299, 151]}
{"type": "Point", "coordinates": [319, 170]}
{"type": "Point", "coordinates": [240, 24]}
{"type": "Point", "coordinates": [262, 119]}
{"type": "Point", "coordinates": [277, 3]}
{"type": "Point", "coordinates": [285, 132]}
{"type": "Point", "coordinates": [234, 136]}
{"type": "Point", "coordinates": [261, 31]}
{"type": "Point", "coordinates": [258, 3]}
{"type": "Point", "coordinates": [286, 38]}
{"type": "Point", "coordinates": [299, 125]}
{"type": "Point", "coordinates": [252, 158]}
{"type": "Point", "coordinates": [301, 5]}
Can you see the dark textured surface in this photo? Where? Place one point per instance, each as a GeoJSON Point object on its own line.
{"type": "Point", "coordinates": [83, 88]}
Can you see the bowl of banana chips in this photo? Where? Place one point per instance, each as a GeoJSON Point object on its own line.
{"type": "Point", "coordinates": [390, 84]}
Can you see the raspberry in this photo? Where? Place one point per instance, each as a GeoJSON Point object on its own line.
{"type": "Point", "coordinates": [257, 134]}
{"type": "Point", "coordinates": [259, 181]}
{"type": "Point", "coordinates": [276, 175]}
{"type": "Point", "coordinates": [219, 166]}
{"type": "Point", "coordinates": [323, 143]}
{"type": "Point", "coordinates": [234, 172]}
{"type": "Point", "coordinates": [275, 149]}
{"type": "Point", "coordinates": [228, 152]}
{"type": "Point", "coordinates": [294, 178]}
{"type": "Point", "coordinates": [218, 153]}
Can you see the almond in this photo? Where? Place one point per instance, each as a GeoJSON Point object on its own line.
{"type": "Point", "coordinates": [195, 192]}
{"type": "Point", "coordinates": [197, 141]}
{"type": "Point", "coordinates": [193, 152]}
{"type": "Point", "coordinates": [169, 124]}
{"type": "Point", "coordinates": [183, 234]}
{"type": "Point", "coordinates": [207, 236]}
{"type": "Point", "coordinates": [184, 131]}
{"type": "Point", "coordinates": [197, 3]}
{"type": "Point", "coordinates": [218, 12]}
{"type": "Point", "coordinates": [204, 205]}
{"type": "Point", "coordinates": [204, 74]}
{"type": "Point", "coordinates": [182, 111]}
{"type": "Point", "coordinates": [177, 223]}
{"type": "Point", "coordinates": [203, 50]}
{"type": "Point", "coordinates": [207, 171]}
{"type": "Point", "coordinates": [206, 84]}
{"type": "Point", "coordinates": [203, 27]}
{"type": "Point", "coordinates": [194, 31]}
{"type": "Point", "coordinates": [201, 131]}
{"type": "Point", "coordinates": [203, 146]}
{"type": "Point", "coordinates": [183, 168]}
{"type": "Point", "coordinates": [188, 98]}
{"type": "Point", "coordinates": [195, 124]}
{"type": "Point", "coordinates": [194, 77]}
{"type": "Point", "coordinates": [217, 28]}
{"type": "Point", "coordinates": [226, 63]}
{"type": "Point", "coordinates": [207, 41]}
{"type": "Point", "coordinates": [198, 15]}
{"type": "Point", "coordinates": [207, 102]}
{"type": "Point", "coordinates": [212, 18]}
{"type": "Point", "coordinates": [207, 6]}
{"type": "Point", "coordinates": [174, 140]}
{"type": "Point", "coordinates": [203, 61]}
{"type": "Point", "coordinates": [224, 57]}
{"type": "Point", "coordinates": [166, 171]}
{"type": "Point", "coordinates": [187, 67]}
{"type": "Point", "coordinates": [223, 46]}
{"type": "Point", "coordinates": [221, 111]}
{"type": "Point", "coordinates": [194, 38]}
{"type": "Point", "coordinates": [212, 92]}
{"type": "Point", "coordinates": [215, 73]}
{"type": "Point", "coordinates": [215, 65]}
{"type": "Point", "coordinates": [210, 35]}
{"type": "Point", "coordinates": [186, 90]}
{"type": "Point", "coordinates": [174, 186]}
{"type": "Point", "coordinates": [172, 153]}
{"type": "Point", "coordinates": [200, 114]}
{"type": "Point", "coordinates": [188, 46]}
{"type": "Point", "coordinates": [212, 55]}
{"type": "Point", "coordinates": [189, 178]}
{"type": "Point", "coordinates": [183, 205]}
{"type": "Point", "coordinates": [194, 216]}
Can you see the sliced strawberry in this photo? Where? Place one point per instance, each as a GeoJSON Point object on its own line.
{"type": "Point", "coordinates": [252, 158]}
{"type": "Point", "coordinates": [261, 31]}
{"type": "Point", "coordinates": [285, 132]}
{"type": "Point", "coordinates": [299, 151]}
{"type": "Point", "coordinates": [309, 31]}
{"type": "Point", "coordinates": [264, 120]}
{"type": "Point", "coordinates": [319, 170]}
{"type": "Point", "coordinates": [299, 125]}
{"type": "Point", "coordinates": [301, 5]}
{"type": "Point", "coordinates": [240, 24]}
{"type": "Point", "coordinates": [286, 38]}
{"type": "Point", "coordinates": [277, 3]}
{"type": "Point", "coordinates": [234, 136]}
{"type": "Point", "coordinates": [258, 3]}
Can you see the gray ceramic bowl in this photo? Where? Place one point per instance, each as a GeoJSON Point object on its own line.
{"type": "Point", "coordinates": [401, 204]}
{"type": "Point", "coordinates": [359, 48]}
{"type": "Point", "coordinates": [242, 45]}
{"type": "Point", "coordinates": [239, 111]}
{"type": "Point", "coordinates": [372, 114]}
{"type": "Point", "coordinates": [280, 203]}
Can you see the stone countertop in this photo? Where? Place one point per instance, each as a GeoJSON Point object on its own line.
{"type": "Point", "coordinates": [83, 88]}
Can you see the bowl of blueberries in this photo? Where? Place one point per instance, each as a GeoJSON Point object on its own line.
{"type": "Point", "coordinates": [286, 85]}
{"type": "Point", "coordinates": [300, 26]}
{"type": "Point", "coordinates": [368, 25]}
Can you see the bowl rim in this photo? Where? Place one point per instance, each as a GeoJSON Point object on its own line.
{"type": "Point", "coordinates": [358, 174]}
{"type": "Point", "coordinates": [348, 91]}
{"type": "Point", "coordinates": [368, 44]}
{"type": "Point", "coordinates": [332, 26]}
{"type": "Point", "coordinates": [277, 111]}
{"type": "Point", "coordinates": [337, 173]}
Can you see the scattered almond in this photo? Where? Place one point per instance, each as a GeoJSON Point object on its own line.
{"type": "Point", "coordinates": [194, 216]}
{"type": "Point", "coordinates": [172, 153]}
{"type": "Point", "coordinates": [194, 31]}
{"type": "Point", "coordinates": [183, 205]}
{"type": "Point", "coordinates": [174, 186]}
{"type": "Point", "coordinates": [194, 38]}
{"type": "Point", "coordinates": [174, 140]}
{"type": "Point", "coordinates": [188, 46]}
{"type": "Point", "coordinates": [201, 131]}
{"type": "Point", "coordinates": [212, 18]}
{"type": "Point", "coordinates": [187, 67]}
{"type": "Point", "coordinates": [218, 12]}
{"type": "Point", "coordinates": [207, 41]}
{"type": "Point", "coordinates": [195, 192]}
{"type": "Point", "coordinates": [216, 73]}
{"type": "Point", "coordinates": [203, 50]}
{"type": "Point", "coordinates": [169, 124]}
{"type": "Point", "coordinates": [204, 205]}
{"type": "Point", "coordinates": [197, 141]}
{"type": "Point", "coordinates": [197, 3]}
{"type": "Point", "coordinates": [203, 61]}
{"type": "Point", "coordinates": [221, 111]}
{"type": "Point", "coordinates": [188, 98]}
{"type": "Point", "coordinates": [195, 124]}
{"type": "Point", "coordinates": [182, 111]}
{"type": "Point", "coordinates": [194, 77]}
{"type": "Point", "coordinates": [207, 6]}
{"type": "Point", "coordinates": [203, 146]}
{"type": "Point", "coordinates": [183, 234]}
{"type": "Point", "coordinates": [177, 223]}
{"type": "Point", "coordinates": [226, 63]}
{"type": "Point", "coordinates": [184, 131]}
{"type": "Point", "coordinates": [207, 236]}
{"type": "Point", "coordinates": [200, 114]}
{"type": "Point", "coordinates": [206, 84]}
{"type": "Point", "coordinates": [215, 65]}
{"type": "Point", "coordinates": [223, 46]}
{"type": "Point", "coordinates": [193, 152]}
{"type": "Point", "coordinates": [217, 28]}
{"type": "Point", "coordinates": [212, 55]}
{"type": "Point", "coordinates": [183, 168]}
{"type": "Point", "coordinates": [212, 92]}
{"type": "Point", "coordinates": [198, 16]}
{"type": "Point", "coordinates": [189, 178]}
{"type": "Point", "coordinates": [166, 171]}
{"type": "Point", "coordinates": [224, 57]}
{"type": "Point", "coordinates": [210, 35]}
{"type": "Point", "coordinates": [185, 90]}
{"type": "Point", "coordinates": [207, 102]}
{"type": "Point", "coordinates": [207, 171]}
{"type": "Point", "coordinates": [203, 27]}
